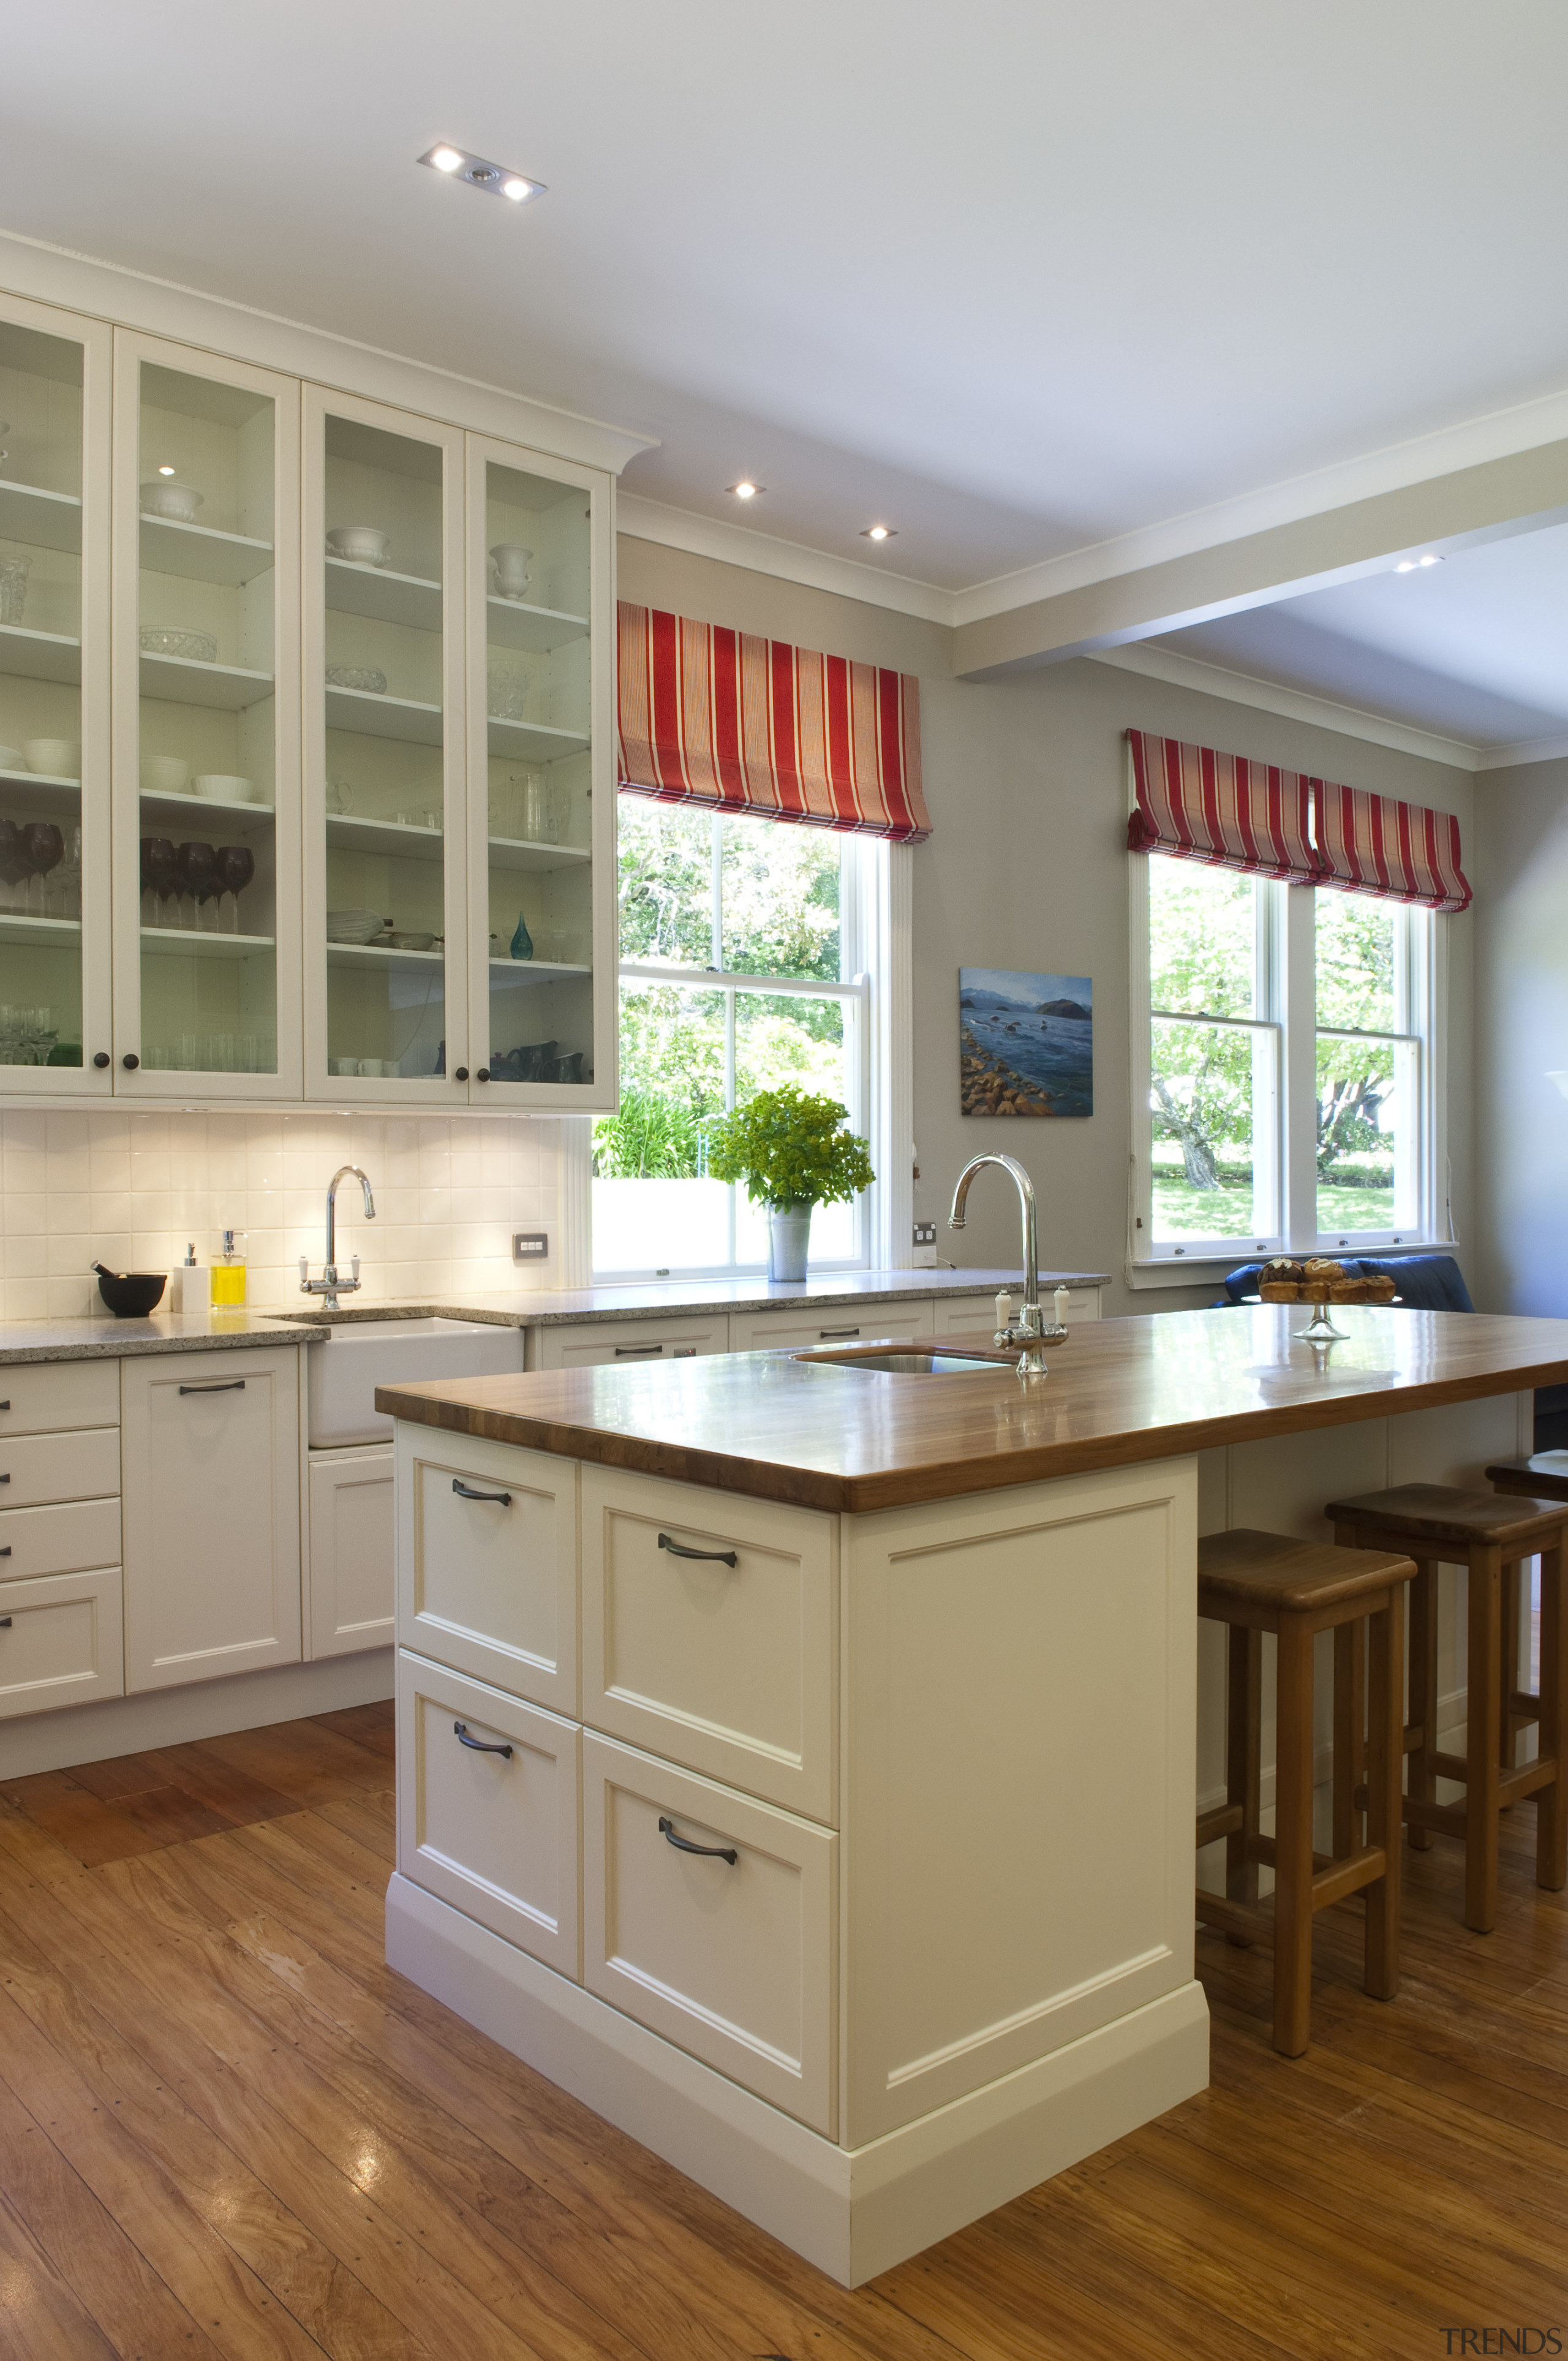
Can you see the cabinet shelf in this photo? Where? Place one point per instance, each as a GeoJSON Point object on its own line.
{"type": "Point", "coordinates": [538, 742]}
{"type": "Point", "coordinates": [346, 834]}
{"type": "Point", "coordinates": [39, 655]}
{"type": "Point", "coordinates": [361, 710]}
{"type": "Point", "coordinates": [384, 596]}
{"type": "Point", "coordinates": [179, 943]}
{"type": "Point", "coordinates": [510, 624]}
{"type": "Point", "coordinates": [381, 955]}
{"type": "Point", "coordinates": [180, 811]}
{"type": "Point", "coordinates": [42, 520]}
{"type": "Point", "coordinates": [199, 552]}
{"type": "Point", "coordinates": [56, 934]}
{"type": "Point", "coordinates": [536, 971]}
{"type": "Point", "coordinates": [224, 688]}
{"type": "Point", "coordinates": [44, 792]}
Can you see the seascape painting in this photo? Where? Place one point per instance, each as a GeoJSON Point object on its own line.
{"type": "Point", "coordinates": [1025, 1043]}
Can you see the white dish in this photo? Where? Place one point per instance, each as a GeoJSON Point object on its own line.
{"type": "Point", "coordinates": [164, 774]}
{"type": "Point", "coordinates": [58, 758]}
{"type": "Point", "coordinates": [178, 502]}
{"type": "Point", "coordinates": [218, 786]}
{"type": "Point", "coordinates": [359, 545]}
{"type": "Point", "coordinates": [11, 758]}
{"type": "Point", "coordinates": [354, 926]}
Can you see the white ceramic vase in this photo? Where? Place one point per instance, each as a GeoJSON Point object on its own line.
{"type": "Point", "coordinates": [789, 1237]}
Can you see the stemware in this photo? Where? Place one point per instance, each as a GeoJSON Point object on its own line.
{"type": "Point", "coordinates": [14, 865]}
{"type": "Point", "coordinates": [44, 849]}
{"type": "Point", "coordinates": [195, 869]}
{"type": "Point", "coordinates": [159, 877]}
{"type": "Point", "coordinates": [237, 867]}
{"type": "Point", "coordinates": [14, 573]}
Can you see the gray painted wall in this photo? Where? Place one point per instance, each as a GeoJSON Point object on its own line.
{"type": "Point", "coordinates": [1026, 868]}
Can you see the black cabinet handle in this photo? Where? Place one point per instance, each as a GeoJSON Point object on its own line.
{"type": "Point", "coordinates": [713, 1853]}
{"type": "Point", "coordinates": [6, 1551]}
{"type": "Point", "coordinates": [5, 1622]}
{"type": "Point", "coordinates": [679, 1549]}
{"type": "Point", "coordinates": [826, 1333]}
{"type": "Point", "coordinates": [477, 1745]}
{"type": "Point", "coordinates": [102, 1060]}
{"type": "Point", "coordinates": [5, 1405]}
{"type": "Point", "coordinates": [459, 1073]}
{"type": "Point", "coordinates": [466, 1492]}
{"type": "Point", "coordinates": [483, 1075]}
{"type": "Point", "coordinates": [130, 1061]}
{"type": "Point", "coordinates": [636, 1352]}
{"type": "Point", "coordinates": [228, 1386]}
{"type": "Point", "coordinates": [4, 1479]}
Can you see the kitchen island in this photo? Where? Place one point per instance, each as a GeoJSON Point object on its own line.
{"type": "Point", "coordinates": [799, 1761]}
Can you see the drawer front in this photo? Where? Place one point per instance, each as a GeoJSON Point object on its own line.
{"type": "Point", "coordinates": [61, 1641]}
{"type": "Point", "coordinates": [975, 1315]}
{"type": "Point", "coordinates": [841, 1324]}
{"type": "Point", "coordinates": [734, 1961]}
{"type": "Point", "coordinates": [38, 1469]}
{"type": "Point", "coordinates": [47, 1397]}
{"type": "Point", "coordinates": [489, 1585]}
{"type": "Point", "coordinates": [729, 1669]}
{"type": "Point", "coordinates": [621, 1344]}
{"type": "Point", "coordinates": [493, 1833]}
{"type": "Point", "coordinates": [352, 1550]}
{"type": "Point", "coordinates": [65, 1540]}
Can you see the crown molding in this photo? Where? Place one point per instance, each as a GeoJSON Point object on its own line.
{"type": "Point", "coordinates": [788, 561]}
{"type": "Point", "coordinates": [136, 299]}
{"type": "Point", "coordinates": [1526, 749]}
{"type": "Point", "coordinates": [1290, 703]}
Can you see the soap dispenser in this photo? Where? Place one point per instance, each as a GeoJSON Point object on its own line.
{"type": "Point", "coordinates": [195, 1284]}
{"type": "Point", "coordinates": [228, 1274]}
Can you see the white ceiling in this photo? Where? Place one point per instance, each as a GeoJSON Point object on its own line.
{"type": "Point", "coordinates": [1019, 278]}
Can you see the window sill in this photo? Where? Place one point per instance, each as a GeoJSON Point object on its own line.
{"type": "Point", "coordinates": [1206, 1269]}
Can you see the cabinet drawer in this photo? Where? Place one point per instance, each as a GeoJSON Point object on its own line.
{"type": "Point", "coordinates": [60, 1642]}
{"type": "Point", "coordinates": [36, 1469]}
{"type": "Point", "coordinates": [975, 1315]}
{"type": "Point", "coordinates": [733, 1960]}
{"type": "Point", "coordinates": [838, 1323]}
{"type": "Point", "coordinates": [494, 1834]}
{"type": "Point", "coordinates": [489, 1585]}
{"type": "Point", "coordinates": [45, 1398]}
{"type": "Point", "coordinates": [729, 1669]}
{"type": "Point", "coordinates": [621, 1344]}
{"type": "Point", "coordinates": [65, 1539]}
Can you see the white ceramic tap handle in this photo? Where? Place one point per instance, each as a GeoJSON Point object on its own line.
{"type": "Point", "coordinates": [355, 1270]}
{"type": "Point", "coordinates": [1061, 1303]}
{"type": "Point", "coordinates": [1003, 1308]}
{"type": "Point", "coordinates": [304, 1269]}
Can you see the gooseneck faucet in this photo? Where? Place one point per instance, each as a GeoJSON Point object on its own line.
{"type": "Point", "coordinates": [329, 1286]}
{"type": "Point", "coordinates": [1030, 1327]}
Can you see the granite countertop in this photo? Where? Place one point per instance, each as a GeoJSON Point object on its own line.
{"type": "Point", "coordinates": [815, 1432]}
{"type": "Point", "coordinates": [108, 1339]}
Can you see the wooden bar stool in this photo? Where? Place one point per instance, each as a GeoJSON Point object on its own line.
{"type": "Point", "coordinates": [1256, 1582]}
{"type": "Point", "coordinates": [1543, 1476]}
{"type": "Point", "coordinates": [1484, 1532]}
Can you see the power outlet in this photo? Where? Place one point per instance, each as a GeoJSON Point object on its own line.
{"type": "Point", "coordinates": [925, 1234]}
{"type": "Point", "coordinates": [530, 1246]}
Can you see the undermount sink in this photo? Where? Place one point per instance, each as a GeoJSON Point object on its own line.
{"type": "Point", "coordinates": [935, 1364]}
{"type": "Point", "coordinates": [360, 1355]}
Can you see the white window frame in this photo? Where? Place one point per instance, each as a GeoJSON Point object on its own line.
{"type": "Point", "coordinates": [874, 953]}
{"type": "Point", "coordinates": [1284, 1114]}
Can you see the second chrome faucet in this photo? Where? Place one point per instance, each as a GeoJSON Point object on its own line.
{"type": "Point", "coordinates": [1030, 1329]}
{"type": "Point", "coordinates": [329, 1286]}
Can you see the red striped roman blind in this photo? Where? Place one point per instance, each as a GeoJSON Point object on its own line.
{"type": "Point", "coordinates": [736, 723]}
{"type": "Point", "coordinates": [1370, 844]}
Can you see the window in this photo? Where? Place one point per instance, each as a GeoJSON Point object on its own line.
{"type": "Point", "coordinates": [1286, 1089]}
{"type": "Point", "coordinates": [743, 957]}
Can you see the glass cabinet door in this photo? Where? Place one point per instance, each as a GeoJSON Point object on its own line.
{"type": "Point", "coordinates": [54, 803]}
{"type": "Point", "coordinates": [206, 673]}
{"type": "Point", "coordinates": [385, 901]}
{"type": "Point", "coordinates": [535, 575]}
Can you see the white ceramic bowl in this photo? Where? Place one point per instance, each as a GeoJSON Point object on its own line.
{"type": "Point", "coordinates": [57, 758]}
{"type": "Point", "coordinates": [359, 545]}
{"type": "Point", "coordinates": [223, 787]}
{"type": "Point", "coordinates": [165, 774]}
{"type": "Point", "coordinates": [178, 502]}
{"type": "Point", "coordinates": [11, 758]}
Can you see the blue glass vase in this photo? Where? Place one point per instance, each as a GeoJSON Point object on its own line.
{"type": "Point", "coordinates": [522, 941]}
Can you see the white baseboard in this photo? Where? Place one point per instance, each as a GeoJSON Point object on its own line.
{"type": "Point", "coordinates": [851, 2212]}
{"type": "Point", "coordinates": [131, 1725]}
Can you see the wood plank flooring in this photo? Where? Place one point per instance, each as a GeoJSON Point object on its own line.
{"type": "Point", "coordinates": [227, 2130]}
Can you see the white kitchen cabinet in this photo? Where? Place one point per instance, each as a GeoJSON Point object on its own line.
{"type": "Point", "coordinates": [835, 1323]}
{"type": "Point", "coordinates": [49, 1397]}
{"type": "Point", "coordinates": [60, 1641]}
{"type": "Point", "coordinates": [212, 1514]}
{"type": "Point", "coordinates": [350, 1529]}
{"type": "Point", "coordinates": [621, 1344]}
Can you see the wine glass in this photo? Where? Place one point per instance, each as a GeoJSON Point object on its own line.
{"type": "Point", "coordinates": [237, 867]}
{"type": "Point", "coordinates": [13, 867]}
{"type": "Point", "coordinates": [196, 870]}
{"type": "Point", "coordinates": [157, 875]}
{"type": "Point", "coordinates": [44, 849]}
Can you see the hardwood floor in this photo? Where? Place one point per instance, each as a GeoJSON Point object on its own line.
{"type": "Point", "coordinates": [227, 2129]}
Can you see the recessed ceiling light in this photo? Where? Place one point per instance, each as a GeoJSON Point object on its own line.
{"type": "Point", "coordinates": [166, 471]}
{"type": "Point", "coordinates": [746, 490]}
{"type": "Point", "coordinates": [1409, 565]}
{"type": "Point", "coordinates": [879, 533]}
{"type": "Point", "coordinates": [496, 180]}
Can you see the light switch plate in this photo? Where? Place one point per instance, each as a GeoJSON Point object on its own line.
{"type": "Point", "coordinates": [530, 1246]}
{"type": "Point", "coordinates": [925, 1234]}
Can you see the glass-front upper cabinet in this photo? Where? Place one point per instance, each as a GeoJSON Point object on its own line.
{"type": "Point", "coordinates": [385, 885]}
{"type": "Point", "coordinates": [206, 725]}
{"type": "Point", "coordinates": [541, 985]}
{"type": "Point", "coordinates": [55, 1031]}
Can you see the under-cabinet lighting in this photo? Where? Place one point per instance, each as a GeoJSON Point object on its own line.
{"type": "Point", "coordinates": [1412, 565]}
{"type": "Point", "coordinates": [746, 490]}
{"type": "Point", "coordinates": [495, 180]}
{"type": "Point", "coordinates": [879, 533]}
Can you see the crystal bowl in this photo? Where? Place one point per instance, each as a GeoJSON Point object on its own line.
{"type": "Point", "coordinates": [167, 639]}
{"type": "Point", "coordinates": [177, 501]}
{"type": "Point", "coordinates": [364, 677]}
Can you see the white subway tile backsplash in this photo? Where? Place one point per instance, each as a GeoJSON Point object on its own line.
{"type": "Point", "coordinates": [131, 1190]}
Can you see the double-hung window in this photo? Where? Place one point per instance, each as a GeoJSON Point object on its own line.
{"type": "Point", "coordinates": [745, 959]}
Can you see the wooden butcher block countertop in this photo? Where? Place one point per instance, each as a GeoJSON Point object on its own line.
{"type": "Point", "coordinates": [827, 1436]}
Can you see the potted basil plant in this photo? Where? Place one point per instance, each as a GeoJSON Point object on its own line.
{"type": "Point", "coordinates": [792, 1152]}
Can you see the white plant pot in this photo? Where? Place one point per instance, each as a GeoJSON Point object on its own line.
{"type": "Point", "coordinates": [789, 1237]}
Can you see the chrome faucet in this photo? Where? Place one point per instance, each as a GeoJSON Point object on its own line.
{"type": "Point", "coordinates": [329, 1287]}
{"type": "Point", "coordinates": [1030, 1327]}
